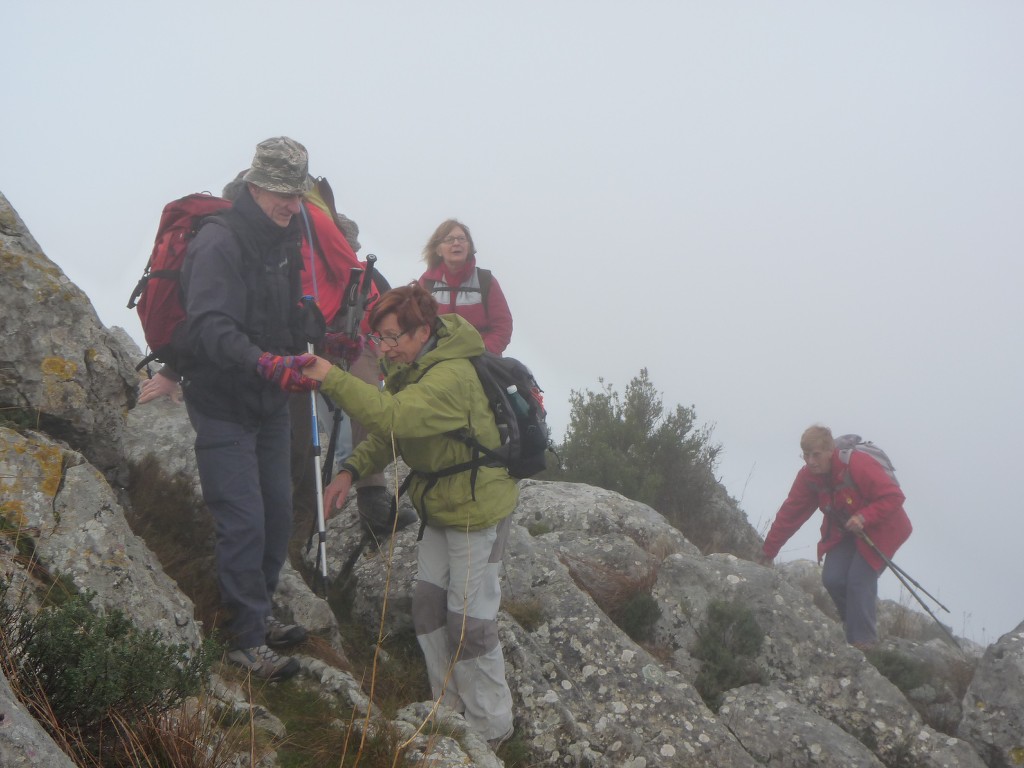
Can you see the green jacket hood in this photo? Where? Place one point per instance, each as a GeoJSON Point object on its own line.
{"type": "Point", "coordinates": [454, 338]}
{"type": "Point", "coordinates": [421, 404]}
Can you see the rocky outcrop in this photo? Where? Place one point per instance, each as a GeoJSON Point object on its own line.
{"type": "Point", "coordinates": [586, 692]}
{"type": "Point", "coordinates": [994, 706]}
{"type": "Point", "coordinates": [23, 742]}
{"type": "Point", "coordinates": [60, 369]}
{"type": "Point", "coordinates": [65, 511]}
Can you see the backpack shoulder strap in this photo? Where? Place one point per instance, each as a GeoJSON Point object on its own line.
{"type": "Point", "coordinates": [484, 276]}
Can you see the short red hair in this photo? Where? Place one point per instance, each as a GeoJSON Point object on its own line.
{"type": "Point", "coordinates": [412, 305]}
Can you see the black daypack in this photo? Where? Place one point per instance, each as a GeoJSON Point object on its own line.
{"type": "Point", "coordinates": [518, 406]}
{"type": "Point", "coordinates": [517, 403]}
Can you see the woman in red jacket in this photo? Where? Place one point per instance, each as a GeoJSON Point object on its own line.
{"type": "Point", "coordinates": [858, 497]}
{"type": "Point", "coordinates": [461, 288]}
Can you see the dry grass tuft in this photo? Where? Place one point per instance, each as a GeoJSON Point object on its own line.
{"type": "Point", "coordinates": [528, 612]}
{"type": "Point", "coordinates": [610, 588]}
{"type": "Point", "coordinates": [166, 512]}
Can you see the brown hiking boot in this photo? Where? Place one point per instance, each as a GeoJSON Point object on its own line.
{"type": "Point", "coordinates": [264, 663]}
{"type": "Point", "coordinates": [281, 635]}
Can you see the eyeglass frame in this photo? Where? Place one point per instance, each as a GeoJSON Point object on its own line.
{"type": "Point", "coordinates": [453, 239]}
{"type": "Point", "coordinates": [377, 340]}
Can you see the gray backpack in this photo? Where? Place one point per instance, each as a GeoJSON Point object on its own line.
{"type": "Point", "coordinates": [847, 444]}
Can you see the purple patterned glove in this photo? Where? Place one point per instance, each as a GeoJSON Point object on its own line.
{"type": "Point", "coordinates": [286, 372]}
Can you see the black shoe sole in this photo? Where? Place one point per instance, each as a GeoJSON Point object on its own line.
{"type": "Point", "coordinates": [283, 644]}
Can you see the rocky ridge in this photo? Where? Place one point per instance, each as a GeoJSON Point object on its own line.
{"type": "Point", "coordinates": [586, 694]}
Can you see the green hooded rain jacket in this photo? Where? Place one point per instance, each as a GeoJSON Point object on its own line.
{"type": "Point", "coordinates": [421, 401]}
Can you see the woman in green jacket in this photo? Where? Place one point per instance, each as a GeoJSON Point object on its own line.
{"type": "Point", "coordinates": [431, 389]}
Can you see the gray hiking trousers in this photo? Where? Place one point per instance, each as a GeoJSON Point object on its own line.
{"type": "Point", "coordinates": [247, 488]}
{"type": "Point", "coordinates": [455, 613]}
{"type": "Point", "coordinates": [852, 584]}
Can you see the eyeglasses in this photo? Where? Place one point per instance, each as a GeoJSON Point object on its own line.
{"type": "Point", "coordinates": [384, 341]}
{"type": "Point", "coordinates": [455, 239]}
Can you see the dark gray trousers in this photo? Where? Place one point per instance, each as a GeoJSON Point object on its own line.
{"type": "Point", "coordinates": [245, 474]}
{"type": "Point", "coordinates": [853, 586]}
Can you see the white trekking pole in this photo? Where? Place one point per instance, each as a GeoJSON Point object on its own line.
{"type": "Point", "coordinates": [321, 521]}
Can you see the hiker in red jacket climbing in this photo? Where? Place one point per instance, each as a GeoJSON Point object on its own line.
{"type": "Point", "coordinates": [862, 505]}
{"type": "Point", "coordinates": [462, 288]}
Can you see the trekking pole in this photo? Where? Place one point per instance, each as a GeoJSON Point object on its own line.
{"type": "Point", "coordinates": [903, 577]}
{"type": "Point", "coordinates": [321, 554]}
{"type": "Point", "coordinates": [321, 526]}
{"type": "Point", "coordinates": [356, 298]}
{"type": "Point", "coordinates": [349, 301]}
{"type": "Point", "coordinates": [899, 573]}
{"type": "Point", "coordinates": [321, 522]}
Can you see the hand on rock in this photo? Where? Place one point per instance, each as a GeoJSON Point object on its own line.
{"type": "Point", "coordinates": [157, 387]}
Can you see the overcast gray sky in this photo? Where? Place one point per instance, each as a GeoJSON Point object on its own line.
{"type": "Point", "coordinates": [789, 212]}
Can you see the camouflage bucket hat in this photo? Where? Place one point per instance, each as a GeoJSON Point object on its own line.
{"type": "Point", "coordinates": [280, 165]}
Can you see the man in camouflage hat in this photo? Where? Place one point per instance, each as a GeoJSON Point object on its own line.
{"type": "Point", "coordinates": [243, 332]}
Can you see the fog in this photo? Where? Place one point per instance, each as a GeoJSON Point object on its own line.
{"type": "Point", "coordinates": [789, 213]}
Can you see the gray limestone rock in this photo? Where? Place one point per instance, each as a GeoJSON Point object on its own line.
{"type": "Point", "coordinates": [23, 742]}
{"type": "Point", "coordinates": [59, 366]}
{"type": "Point", "coordinates": [764, 719]}
{"type": "Point", "coordinates": [78, 530]}
{"type": "Point", "coordinates": [586, 693]}
{"type": "Point", "coordinates": [993, 719]}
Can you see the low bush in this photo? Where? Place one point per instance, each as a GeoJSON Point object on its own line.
{"type": "Point", "coordinates": [904, 672]}
{"type": "Point", "coordinates": [624, 596]}
{"type": "Point", "coordinates": [728, 643]}
{"type": "Point", "coordinates": [89, 676]}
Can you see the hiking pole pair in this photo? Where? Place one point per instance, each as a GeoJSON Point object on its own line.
{"type": "Point", "coordinates": [321, 553]}
{"type": "Point", "coordinates": [904, 577]}
{"type": "Point", "coordinates": [354, 306]}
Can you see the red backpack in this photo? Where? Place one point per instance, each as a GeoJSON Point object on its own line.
{"type": "Point", "coordinates": [158, 294]}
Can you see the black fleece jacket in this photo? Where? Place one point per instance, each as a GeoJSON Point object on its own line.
{"type": "Point", "coordinates": [242, 288]}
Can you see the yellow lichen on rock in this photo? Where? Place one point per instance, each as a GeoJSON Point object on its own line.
{"type": "Point", "coordinates": [17, 480]}
{"type": "Point", "coordinates": [60, 367]}
{"type": "Point", "coordinates": [12, 513]}
{"type": "Point", "coordinates": [51, 468]}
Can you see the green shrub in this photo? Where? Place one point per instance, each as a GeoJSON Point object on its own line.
{"type": "Point", "coordinates": [637, 616]}
{"type": "Point", "coordinates": [633, 445]}
{"type": "Point", "coordinates": [18, 418]}
{"type": "Point", "coordinates": [92, 667]}
{"type": "Point", "coordinates": [728, 643]}
{"type": "Point", "coordinates": [904, 672]}
{"type": "Point", "coordinates": [516, 753]}
{"type": "Point", "coordinates": [538, 527]}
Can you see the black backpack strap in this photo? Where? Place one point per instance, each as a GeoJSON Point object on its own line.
{"type": "Point", "coordinates": [484, 277]}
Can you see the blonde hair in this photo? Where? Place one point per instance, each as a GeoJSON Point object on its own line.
{"type": "Point", "coordinates": [817, 436]}
{"type": "Point", "coordinates": [430, 254]}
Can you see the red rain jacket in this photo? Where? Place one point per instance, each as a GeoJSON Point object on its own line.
{"type": "Point", "coordinates": [494, 323]}
{"type": "Point", "coordinates": [872, 494]}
